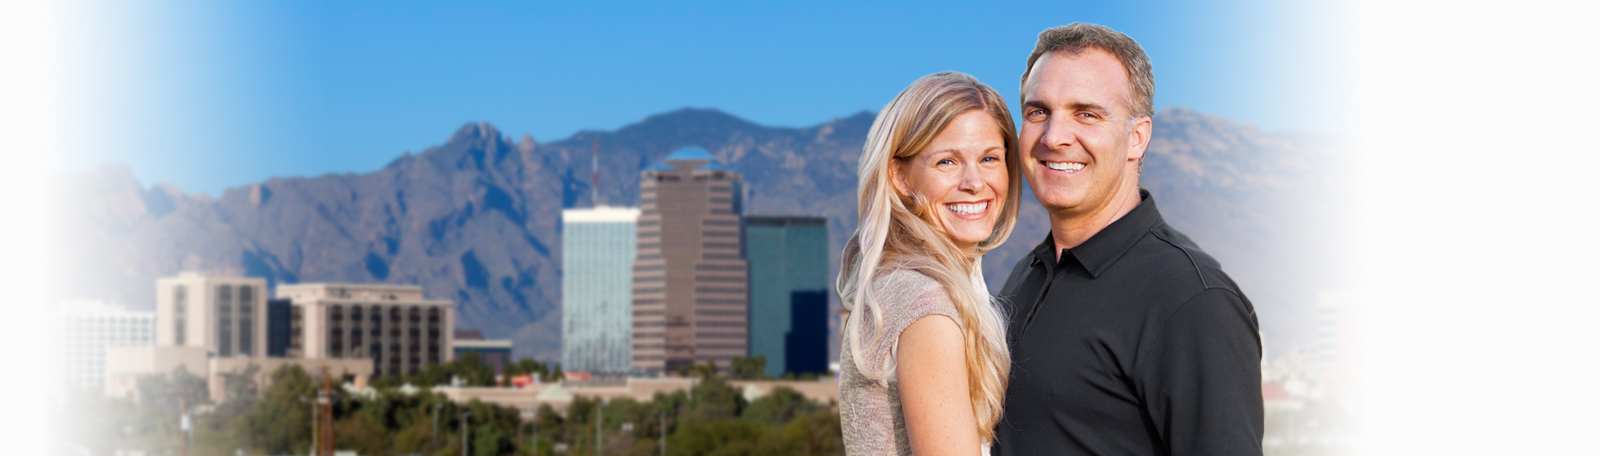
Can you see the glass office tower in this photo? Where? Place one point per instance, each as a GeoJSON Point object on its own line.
{"type": "Point", "coordinates": [597, 248]}
{"type": "Point", "coordinates": [788, 292]}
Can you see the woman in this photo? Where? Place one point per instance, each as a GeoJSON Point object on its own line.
{"type": "Point", "coordinates": [924, 363]}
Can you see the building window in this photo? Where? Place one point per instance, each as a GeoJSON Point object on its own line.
{"type": "Point", "coordinates": [224, 320]}
{"type": "Point", "coordinates": [246, 335]}
{"type": "Point", "coordinates": [294, 332]}
{"type": "Point", "coordinates": [180, 311]}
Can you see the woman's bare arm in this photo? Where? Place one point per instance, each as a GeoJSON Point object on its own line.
{"type": "Point", "coordinates": [934, 396]}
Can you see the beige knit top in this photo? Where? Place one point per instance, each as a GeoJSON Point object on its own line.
{"type": "Point", "coordinates": [869, 410]}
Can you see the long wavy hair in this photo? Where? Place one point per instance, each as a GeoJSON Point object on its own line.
{"type": "Point", "coordinates": [898, 231]}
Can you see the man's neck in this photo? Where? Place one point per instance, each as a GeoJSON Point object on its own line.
{"type": "Point", "coordinates": [1071, 230]}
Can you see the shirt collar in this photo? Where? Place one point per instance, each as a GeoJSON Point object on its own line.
{"type": "Point", "coordinates": [1103, 249]}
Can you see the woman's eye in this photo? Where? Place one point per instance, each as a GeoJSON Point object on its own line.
{"type": "Point", "coordinates": [991, 158]}
{"type": "Point", "coordinates": [946, 162]}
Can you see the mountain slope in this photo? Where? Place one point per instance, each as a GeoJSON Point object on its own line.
{"type": "Point", "coordinates": [477, 219]}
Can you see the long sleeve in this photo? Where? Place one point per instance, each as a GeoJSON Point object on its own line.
{"type": "Point", "coordinates": [1200, 377]}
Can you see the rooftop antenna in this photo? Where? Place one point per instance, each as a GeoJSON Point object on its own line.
{"type": "Point", "coordinates": [594, 179]}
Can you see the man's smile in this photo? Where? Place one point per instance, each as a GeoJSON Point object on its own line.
{"type": "Point", "coordinates": [1063, 166]}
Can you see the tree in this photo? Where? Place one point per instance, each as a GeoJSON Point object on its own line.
{"type": "Point", "coordinates": [361, 433]}
{"type": "Point", "coordinates": [240, 394]}
{"type": "Point", "coordinates": [554, 375]}
{"type": "Point", "coordinates": [753, 368]}
{"type": "Point", "coordinates": [281, 421]}
{"type": "Point", "coordinates": [701, 371]}
{"type": "Point", "coordinates": [715, 437]}
{"type": "Point", "coordinates": [780, 406]}
{"type": "Point", "coordinates": [715, 400]}
{"type": "Point", "coordinates": [472, 370]}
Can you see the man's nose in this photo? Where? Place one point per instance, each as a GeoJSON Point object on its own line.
{"type": "Point", "coordinates": [1058, 133]}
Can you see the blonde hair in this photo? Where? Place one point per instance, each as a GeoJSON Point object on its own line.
{"type": "Point", "coordinates": [900, 232]}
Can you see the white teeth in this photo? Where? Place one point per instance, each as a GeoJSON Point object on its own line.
{"type": "Point", "coordinates": [968, 208]}
{"type": "Point", "coordinates": [1064, 166]}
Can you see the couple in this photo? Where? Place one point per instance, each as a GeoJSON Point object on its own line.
{"type": "Point", "coordinates": [1116, 335]}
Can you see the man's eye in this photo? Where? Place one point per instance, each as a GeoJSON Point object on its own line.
{"type": "Point", "coordinates": [1036, 113]}
{"type": "Point", "coordinates": [1088, 115]}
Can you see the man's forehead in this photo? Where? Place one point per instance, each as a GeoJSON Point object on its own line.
{"type": "Point", "coordinates": [1075, 74]}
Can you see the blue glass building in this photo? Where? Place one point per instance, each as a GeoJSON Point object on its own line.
{"type": "Point", "coordinates": [788, 292]}
{"type": "Point", "coordinates": [597, 248]}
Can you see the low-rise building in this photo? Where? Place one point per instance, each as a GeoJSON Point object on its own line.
{"type": "Point", "coordinates": [89, 329]}
{"type": "Point", "coordinates": [494, 352]}
{"type": "Point", "coordinates": [393, 325]}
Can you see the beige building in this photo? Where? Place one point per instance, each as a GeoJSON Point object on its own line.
{"type": "Point", "coordinates": [690, 299]}
{"type": "Point", "coordinates": [125, 365]}
{"type": "Point", "coordinates": [225, 315]}
{"type": "Point", "coordinates": [393, 325]}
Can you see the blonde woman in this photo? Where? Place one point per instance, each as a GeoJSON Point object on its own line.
{"type": "Point", "coordinates": [923, 362]}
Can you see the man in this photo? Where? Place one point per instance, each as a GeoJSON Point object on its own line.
{"type": "Point", "coordinates": [1126, 338]}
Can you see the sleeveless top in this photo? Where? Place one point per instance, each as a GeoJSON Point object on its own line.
{"type": "Point", "coordinates": [869, 410]}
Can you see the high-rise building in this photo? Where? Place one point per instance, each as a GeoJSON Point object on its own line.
{"type": "Point", "coordinates": [89, 328]}
{"type": "Point", "coordinates": [226, 315]}
{"type": "Point", "coordinates": [689, 281]}
{"type": "Point", "coordinates": [597, 253]}
{"type": "Point", "coordinates": [788, 259]}
{"type": "Point", "coordinates": [393, 325]}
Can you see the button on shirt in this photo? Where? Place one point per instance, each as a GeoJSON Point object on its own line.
{"type": "Point", "coordinates": [1133, 343]}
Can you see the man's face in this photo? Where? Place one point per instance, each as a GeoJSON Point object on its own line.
{"type": "Point", "coordinates": [1078, 151]}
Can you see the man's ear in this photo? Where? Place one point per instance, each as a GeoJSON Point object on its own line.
{"type": "Point", "coordinates": [1139, 138]}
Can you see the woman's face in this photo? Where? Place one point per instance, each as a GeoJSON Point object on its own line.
{"type": "Point", "coordinates": [961, 175]}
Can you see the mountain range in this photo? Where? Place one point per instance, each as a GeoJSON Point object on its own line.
{"type": "Point", "coordinates": [476, 219]}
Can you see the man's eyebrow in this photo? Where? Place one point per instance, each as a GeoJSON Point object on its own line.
{"type": "Point", "coordinates": [1088, 106]}
{"type": "Point", "coordinates": [1034, 104]}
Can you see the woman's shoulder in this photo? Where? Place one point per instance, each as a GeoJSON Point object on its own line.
{"type": "Point", "coordinates": [912, 294]}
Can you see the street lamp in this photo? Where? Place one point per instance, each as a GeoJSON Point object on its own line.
{"type": "Point", "coordinates": [434, 438]}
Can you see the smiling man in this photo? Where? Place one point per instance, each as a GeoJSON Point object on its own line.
{"type": "Point", "coordinates": [1126, 338]}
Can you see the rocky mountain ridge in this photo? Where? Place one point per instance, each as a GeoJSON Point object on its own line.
{"type": "Point", "coordinates": [476, 219]}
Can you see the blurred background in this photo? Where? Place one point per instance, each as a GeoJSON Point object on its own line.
{"type": "Point", "coordinates": [470, 161]}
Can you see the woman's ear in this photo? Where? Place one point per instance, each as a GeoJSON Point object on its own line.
{"type": "Point", "coordinates": [897, 177]}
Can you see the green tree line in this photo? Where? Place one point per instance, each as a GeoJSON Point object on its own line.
{"type": "Point", "coordinates": [712, 418]}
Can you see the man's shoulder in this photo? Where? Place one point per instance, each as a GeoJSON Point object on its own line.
{"type": "Point", "coordinates": [1179, 252]}
{"type": "Point", "coordinates": [1169, 259]}
{"type": "Point", "coordinates": [1020, 270]}
{"type": "Point", "coordinates": [1172, 266]}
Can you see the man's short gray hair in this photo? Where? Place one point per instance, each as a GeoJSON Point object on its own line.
{"type": "Point", "coordinates": [1078, 37]}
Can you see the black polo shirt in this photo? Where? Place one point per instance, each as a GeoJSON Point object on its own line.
{"type": "Point", "coordinates": [1134, 343]}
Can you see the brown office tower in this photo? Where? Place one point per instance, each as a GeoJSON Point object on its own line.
{"type": "Point", "coordinates": [690, 302]}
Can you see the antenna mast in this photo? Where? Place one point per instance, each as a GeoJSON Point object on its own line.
{"type": "Point", "coordinates": [594, 179]}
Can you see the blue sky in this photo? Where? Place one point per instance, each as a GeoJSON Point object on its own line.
{"type": "Point", "coordinates": [207, 96]}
